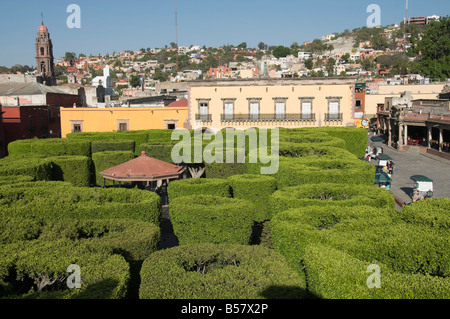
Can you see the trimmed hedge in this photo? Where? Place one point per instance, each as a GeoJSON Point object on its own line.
{"type": "Point", "coordinates": [330, 195]}
{"type": "Point", "coordinates": [74, 169]}
{"type": "Point", "coordinates": [49, 147]}
{"type": "Point", "coordinates": [199, 186]}
{"type": "Point", "coordinates": [292, 230]}
{"type": "Point", "coordinates": [161, 151]}
{"type": "Point", "coordinates": [432, 212]}
{"type": "Point", "coordinates": [256, 189]}
{"type": "Point", "coordinates": [134, 240]}
{"type": "Point", "coordinates": [334, 274]}
{"type": "Point", "coordinates": [300, 171]}
{"type": "Point", "coordinates": [26, 268]}
{"type": "Point", "coordinates": [8, 180]}
{"type": "Point", "coordinates": [355, 138]}
{"type": "Point", "coordinates": [45, 201]}
{"type": "Point", "coordinates": [208, 271]}
{"type": "Point", "coordinates": [105, 160]}
{"type": "Point", "coordinates": [317, 151]}
{"type": "Point", "coordinates": [212, 219]}
{"type": "Point", "coordinates": [38, 168]}
{"type": "Point", "coordinates": [139, 137]}
{"type": "Point", "coordinates": [112, 146]}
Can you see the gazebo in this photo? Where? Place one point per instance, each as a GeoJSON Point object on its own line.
{"type": "Point", "coordinates": [145, 169]}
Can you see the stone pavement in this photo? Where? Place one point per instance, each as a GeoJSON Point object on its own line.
{"type": "Point", "coordinates": [409, 163]}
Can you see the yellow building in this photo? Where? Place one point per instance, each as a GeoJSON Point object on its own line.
{"type": "Point", "coordinates": [122, 119]}
{"type": "Point", "coordinates": [286, 103]}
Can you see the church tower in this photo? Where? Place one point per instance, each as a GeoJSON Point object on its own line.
{"type": "Point", "coordinates": [44, 57]}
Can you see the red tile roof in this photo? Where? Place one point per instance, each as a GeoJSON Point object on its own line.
{"type": "Point", "coordinates": [143, 168]}
{"type": "Point", "coordinates": [180, 103]}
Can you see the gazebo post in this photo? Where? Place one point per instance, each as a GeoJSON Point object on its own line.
{"type": "Point", "coordinates": [120, 184]}
{"type": "Point", "coordinates": [104, 182]}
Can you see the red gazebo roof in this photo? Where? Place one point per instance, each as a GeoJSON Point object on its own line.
{"type": "Point", "coordinates": [143, 168]}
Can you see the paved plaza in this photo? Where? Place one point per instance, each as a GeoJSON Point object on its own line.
{"type": "Point", "coordinates": [409, 163]}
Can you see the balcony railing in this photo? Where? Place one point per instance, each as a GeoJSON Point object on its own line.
{"type": "Point", "coordinates": [334, 117]}
{"type": "Point", "coordinates": [203, 117]}
{"type": "Point", "coordinates": [267, 117]}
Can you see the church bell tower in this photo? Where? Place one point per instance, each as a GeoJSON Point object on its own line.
{"type": "Point", "coordinates": [44, 57]}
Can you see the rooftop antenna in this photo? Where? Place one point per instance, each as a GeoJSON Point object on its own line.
{"type": "Point", "coordinates": [176, 29]}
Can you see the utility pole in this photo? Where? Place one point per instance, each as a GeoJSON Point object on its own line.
{"type": "Point", "coordinates": [176, 29]}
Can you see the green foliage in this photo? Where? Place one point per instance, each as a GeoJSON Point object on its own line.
{"type": "Point", "coordinates": [281, 52]}
{"type": "Point", "coordinates": [219, 272]}
{"type": "Point", "coordinates": [433, 213]}
{"type": "Point", "coordinates": [212, 219]}
{"type": "Point", "coordinates": [435, 50]}
{"type": "Point", "coordinates": [38, 270]}
{"type": "Point", "coordinates": [161, 151]}
{"type": "Point", "coordinates": [225, 170]}
{"type": "Point", "coordinates": [37, 168]}
{"type": "Point", "coordinates": [49, 147]}
{"type": "Point", "coordinates": [139, 137]}
{"type": "Point", "coordinates": [44, 201]}
{"type": "Point", "coordinates": [255, 188]}
{"type": "Point", "coordinates": [112, 146]}
{"type": "Point", "coordinates": [310, 170]}
{"type": "Point", "coordinates": [105, 160]}
{"type": "Point", "coordinates": [73, 169]}
{"type": "Point", "coordinates": [8, 180]}
{"type": "Point", "coordinates": [292, 230]}
{"type": "Point", "coordinates": [199, 186]}
{"type": "Point", "coordinates": [335, 274]}
{"type": "Point", "coordinates": [329, 195]}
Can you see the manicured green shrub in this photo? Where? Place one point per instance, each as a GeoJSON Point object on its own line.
{"type": "Point", "coordinates": [330, 195]}
{"type": "Point", "coordinates": [208, 271]}
{"type": "Point", "coordinates": [9, 180]}
{"type": "Point", "coordinates": [257, 189]}
{"type": "Point", "coordinates": [434, 213]}
{"type": "Point", "coordinates": [49, 147]}
{"type": "Point", "coordinates": [13, 229]}
{"type": "Point", "coordinates": [158, 150]}
{"type": "Point", "coordinates": [134, 240]}
{"type": "Point", "coordinates": [38, 270]}
{"type": "Point", "coordinates": [288, 149]}
{"type": "Point", "coordinates": [212, 219]}
{"type": "Point", "coordinates": [311, 137]}
{"type": "Point", "coordinates": [38, 168]}
{"type": "Point", "coordinates": [139, 137]}
{"type": "Point", "coordinates": [300, 171]}
{"type": "Point", "coordinates": [199, 186]}
{"type": "Point", "coordinates": [292, 230]}
{"type": "Point", "coordinates": [74, 169]}
{"type": "Point", "coordinates": [105, 160]}
{"type": "Point", "coordinates": [44, 201]}
{"type": "Point", "coordinates": [355, 138]}
{"type": "Point", "coordinates": [225, 170]}
{"type": "Point", "coordinates": [112, 146]}
{"type": "Point", "coordinates": [335, 274]}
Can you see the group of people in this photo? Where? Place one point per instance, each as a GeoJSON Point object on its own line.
{"type": "Point", "coordinates": [390, 167]}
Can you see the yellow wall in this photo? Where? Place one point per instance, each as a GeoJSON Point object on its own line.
{"type": "Point", "coordinates": [105, 120]}
{"type": "Point", "coordinates": [292, 90]}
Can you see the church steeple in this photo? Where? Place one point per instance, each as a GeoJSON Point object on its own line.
{"type": "Point", "coordinates": [44, 57]}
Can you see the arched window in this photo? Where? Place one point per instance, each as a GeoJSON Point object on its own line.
{"type": "Point", "coordinates": [42, 39]}
{"type": "Point", "coordinates": [42, 51]}
{"type": "Point", "coordinates": [43, 71]}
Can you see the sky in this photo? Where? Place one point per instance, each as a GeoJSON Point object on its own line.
{"type": "Point", "coordinates": [115, 26]}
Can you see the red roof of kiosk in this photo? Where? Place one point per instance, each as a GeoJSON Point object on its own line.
{"type": "Point", "coordinates": [143, 168]}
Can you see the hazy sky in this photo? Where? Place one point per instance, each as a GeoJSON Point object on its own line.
{"type": "Point", "coordinates": [108, 26]}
